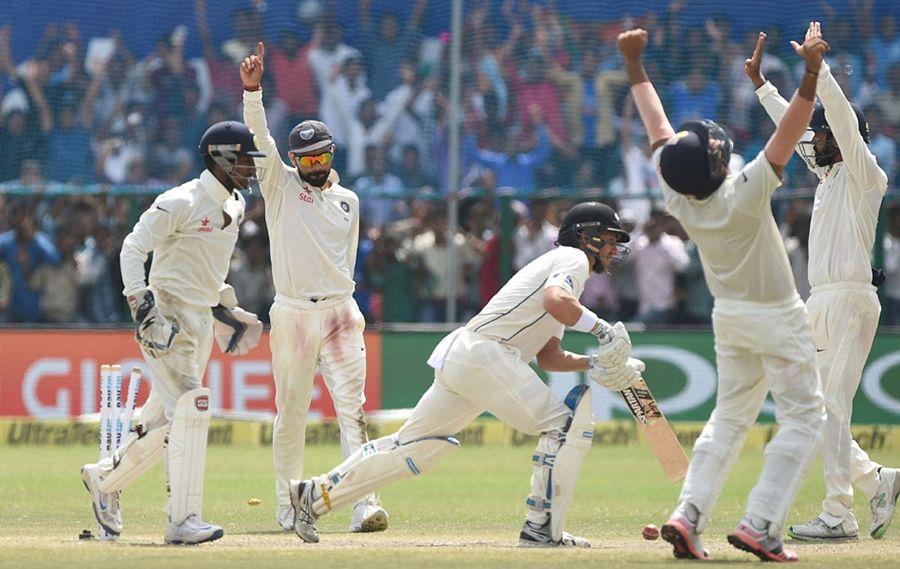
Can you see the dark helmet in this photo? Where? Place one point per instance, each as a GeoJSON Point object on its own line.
{"type": "Point", "coordinates": [582, 226]}
{"type": "Point", "coordinates": [696, 163]}
{"type": "Point", "coordinates": [309, 136]}
{"type": "Point", "coordinates": [223, 143]}
{"type": "Point", "coordinates": [828, 151]}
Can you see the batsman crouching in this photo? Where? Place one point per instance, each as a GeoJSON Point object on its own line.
{"type": "Point", "coordinates": [483, 366]}
{"type": "Point", "coordinates": [192, 230]}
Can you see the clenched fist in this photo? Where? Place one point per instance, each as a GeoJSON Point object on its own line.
{"type": "Point", "coordinates": [632, 43]}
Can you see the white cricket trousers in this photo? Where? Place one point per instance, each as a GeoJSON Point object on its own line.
{"type": "Point", "coordinates": [844, 317]}
{"type": "Point", "coordinates": [182, 368]}
{"type": "Point", "coordinates": [760, 348]}
{"type": "Point", "coordinates": [327, 334]}
{"type": "Point", "coordinates": [478, 375]}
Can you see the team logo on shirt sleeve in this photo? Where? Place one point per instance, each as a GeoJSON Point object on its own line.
{"type": "Point", "coordinates": [345, 206]}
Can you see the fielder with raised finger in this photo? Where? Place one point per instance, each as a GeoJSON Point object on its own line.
{"type": "Point", "coordinates": [313, 224]}
{"type": "Point", "coordinates": [484, 366]}
{"type": "Point", "coordinates": [843, 305]}
{"type": "Point", "coordinates": [191, 230]}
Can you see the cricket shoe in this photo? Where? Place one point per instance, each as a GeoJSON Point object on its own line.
{"type": "Point", "coordinates": [884, 501]}
{"type": "Point", "coordinates": [533, 535]}
{"type": "Point", "coordinates": [819, 530]}
{"type": "Point", "coordinates": [304, 516]}
{"type": "Point", "coordinates": [758, 542]}
{"type": "Point", "coordinates": [106, 505]}
{"type": "Point", "coordinates": [192, 531]}
{"type": "Point", "coordinates": [285, 517]}
{"type": "Point", "coordinates": [682, 534]}
{"type": "Point", "coordinates": [368, 516]}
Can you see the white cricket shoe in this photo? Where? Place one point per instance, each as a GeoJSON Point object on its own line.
{"type": "Point", "coordinates": [818, 530]}
{"type": "Point", "coordinates": [192, 531]}
{"type": "Point", "coordinates": [533, 535]}
{"type": "Point", "coordinates": [106, 506]}
{"type": "Point", "coordinates": [285, 517]}
{"type": "Point", "coordinates": [884, 502]}
{"type": "Point", "coordinates": [304, 516]}
{"type": "Point", "coordinates": [368, 516]}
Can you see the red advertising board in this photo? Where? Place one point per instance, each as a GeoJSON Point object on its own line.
{"type": "Point", "coordinates": [51, 374]}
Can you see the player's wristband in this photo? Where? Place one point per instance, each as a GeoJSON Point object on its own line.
{"type": "Point", "coordinates": [253, 88]}
{"type": "Point", "coordinates": [811, 72]}
{"type": "Point", "coordinates": [590, 323]}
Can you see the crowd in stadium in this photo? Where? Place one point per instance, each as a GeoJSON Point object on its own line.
{"type": "Point", "coordinates": [547, 119]}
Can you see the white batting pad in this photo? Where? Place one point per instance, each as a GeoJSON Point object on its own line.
{"type": "Point", "coordinates": [376, 464]}
{"type": "Point", "coordinates": [557, 462]}
{"type": "Point", "coordinates": [186, 454]}
{"type": "Point", "coordinates": [138, 454]}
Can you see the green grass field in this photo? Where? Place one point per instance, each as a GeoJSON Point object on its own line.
{"type": "Point", "coordinates": [467, 512]}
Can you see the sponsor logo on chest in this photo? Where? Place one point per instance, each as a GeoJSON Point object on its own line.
{"type": "Point", "coordinates": [305, 196]}
{"type": "Point", "coordinates": [205, 226]}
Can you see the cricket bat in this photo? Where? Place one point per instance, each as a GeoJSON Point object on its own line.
{"type": "Point", "coordinates": [659, 433]}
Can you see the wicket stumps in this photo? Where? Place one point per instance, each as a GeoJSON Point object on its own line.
{"type": "Point", "coordinates": [115, 422]}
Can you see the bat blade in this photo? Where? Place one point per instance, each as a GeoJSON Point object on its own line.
{"type": "Point", "coordinates": [663, 441]}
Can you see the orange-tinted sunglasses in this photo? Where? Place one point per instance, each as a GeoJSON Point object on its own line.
{"type": "Point", "coordinates": [307, 161]}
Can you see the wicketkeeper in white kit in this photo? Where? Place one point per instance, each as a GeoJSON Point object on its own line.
{"type": "Point", "coordinates": [484, 366]}
{"type": "Point", "coordinates": [192, 230]}
{"type": "Point", "coordinates": [763, 339]}
{"type": "Point", "coordinates": [843, 305]}
{"type": "Point", "coordinates": [313, 225]}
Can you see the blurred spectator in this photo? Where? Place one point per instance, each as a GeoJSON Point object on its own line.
{"type": "Point", "coordinates": [57, 285]}
{"type": "Point", "coordinates": [329, 61]}
{"type": "Point", "coordinates": [694, 97]}
{"type": "Point", "coordinates": [411, 171]}
{"type": "Point", "coordinates": [226, 83]}
{"type": "Point", "coordinates": [391, 275]}
{"type": "Point", "coordinates": [600, 296]}
{"type": "Point", "coordinates": [431, 250]}
{"type": "Point", "coordinates": [380, 192]}
{"type": "Point", "coordinates": [696, 300]}
{"type": "Point", "coordinates": [251, 276]}
{"type": "Point", "coordinates": [534, 236]}
{"type": "Point", "coordinates": [796, 244]}
{"type": "Point", "coordinates": [658, 257]}
{"type": "Point", "coordinates": [17, 144]}
{"type": "Point", "coordinates": [882, 142]}
{"type": "Point", "coordinates": [25, 250]}
{"type": "Point", "coordinates": [892, 267]}
{"type": "Point", "coordinates": [295, 82]}
{"type": "Point", "coordinates": [392, 44]}
{"type": "Point", "coordinates": [516, 166]}
{"type": "Point", "coordinates": [625, 275]}
{"type": "Point", "coordinates": [169, 160]}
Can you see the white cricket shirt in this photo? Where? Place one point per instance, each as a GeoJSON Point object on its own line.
{"type": "Point", "coordinates": [191, 243]}
{"type": "Point", "coordinates": [740, 247]}
{"type": "Point", "coordinates": [845, 211]}
{"type": "Point", "coordinates": [313, 232]}
{"type": "Point", "coordinates": [516, 315]}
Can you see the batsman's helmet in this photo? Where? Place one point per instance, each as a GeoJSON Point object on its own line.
{"type": "Point", "coordinates": [696, 163]}
{"type": "Point", "coordinates": [582, 226]}
{"type": "Point", "coordinates": [827, 152]}
{"type": "Point", "coordinates": [223, 143]}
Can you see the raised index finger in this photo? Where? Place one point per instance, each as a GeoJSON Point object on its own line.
{"type": "Point", "coordinates": [260, 50]}
{"type": "Point", "coordinates": [760, 46]}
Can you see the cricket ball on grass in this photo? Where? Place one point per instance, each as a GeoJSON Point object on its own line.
{"type": "Point", "coordinates": [650, 532]}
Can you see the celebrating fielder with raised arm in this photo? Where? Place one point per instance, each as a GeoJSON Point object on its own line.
{"type": "Point", "coordinates": [192, 230]}
{"type": "Point", "coordinates": [762, 336]}
{"type": "Point", "coordinates": [843, 306]}
{"type": "Point", "coordinates": [313, 225]}
{"type": "Point", "coordinates": [483, 366]}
